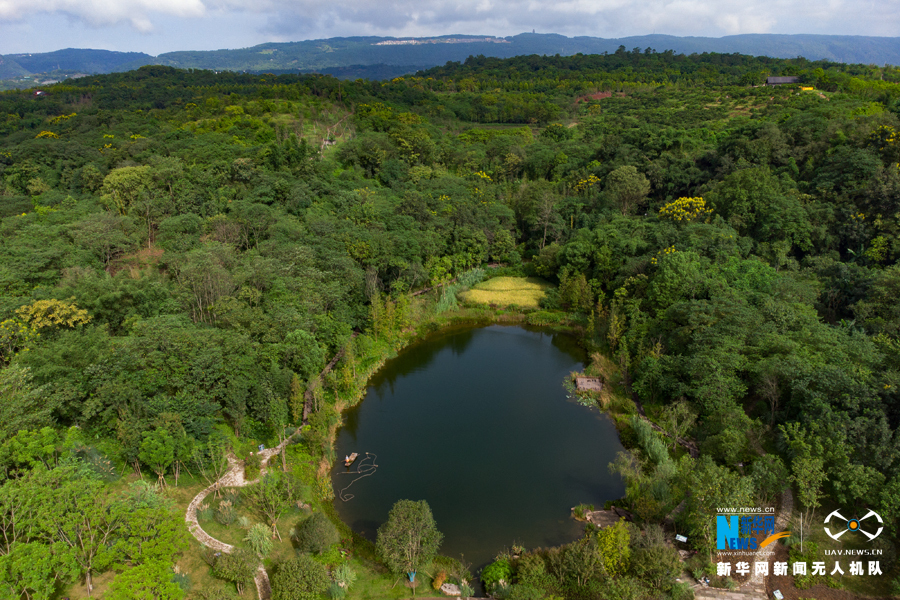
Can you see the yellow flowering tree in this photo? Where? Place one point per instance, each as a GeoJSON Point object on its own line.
{"type": "Point", "coordinates": [50, 314]}
{"type": "Point", "coordinates": [685, 210]}
{"type": "Point", "coordinates": [586, 186]}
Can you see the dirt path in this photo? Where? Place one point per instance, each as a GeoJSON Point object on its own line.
{"type": "Point", "coordinates": [233, 478]}
{"type": "Point", "coordinates": [688, 445]}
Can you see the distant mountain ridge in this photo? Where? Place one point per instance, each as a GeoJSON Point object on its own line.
{"type": "Point", "coordinates": [380, 57]}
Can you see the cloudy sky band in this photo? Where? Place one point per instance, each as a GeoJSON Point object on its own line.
{"type": "Point", "coordinates": [156, 26]}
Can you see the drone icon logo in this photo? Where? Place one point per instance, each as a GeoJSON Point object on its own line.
{"type": "Point", "coordinates": [854, 524]}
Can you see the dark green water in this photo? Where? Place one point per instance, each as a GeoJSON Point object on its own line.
{"type": "Point", "coordinates": [477, 423]}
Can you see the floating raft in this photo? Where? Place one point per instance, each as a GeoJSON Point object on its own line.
{"type": "Point", "coordinates": [594, 384]}
{"type": "Point", "coordinates": [349, 460]}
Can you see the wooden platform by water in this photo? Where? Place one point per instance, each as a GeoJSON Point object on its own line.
{"type": "Point", "coordinates": [588, 384]}
{"type": "Point", "coordinates": [605, 518]}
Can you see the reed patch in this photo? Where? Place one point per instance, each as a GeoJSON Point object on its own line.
{"type": "Point", "coordinates": [525, 292]}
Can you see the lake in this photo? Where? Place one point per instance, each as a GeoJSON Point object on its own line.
{"type": "Point", "coordinates": [478, 423]}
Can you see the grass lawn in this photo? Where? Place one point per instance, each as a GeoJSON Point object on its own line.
{"type": "Point", "coordinates": [525, 292]}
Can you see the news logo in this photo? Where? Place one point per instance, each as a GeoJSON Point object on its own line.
{"type": "Point", "coordinates": [735, 532]}
{"type": "Point", "coordinates": [853, 524]}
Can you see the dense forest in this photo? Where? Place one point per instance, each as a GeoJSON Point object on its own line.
{"type": "Point", "coordinates": [183, 252]}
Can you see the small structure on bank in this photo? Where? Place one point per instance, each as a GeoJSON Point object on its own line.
{"type": "Point", "coordinates": [605, 518]}
{"type": "Point", "coordinates": [588, 384]}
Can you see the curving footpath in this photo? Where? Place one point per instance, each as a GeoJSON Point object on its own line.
{"type": "Point", "coordinates": [233, 478]}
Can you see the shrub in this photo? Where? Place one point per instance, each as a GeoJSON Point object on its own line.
{"type": "Point", "coordinates": [204, 512]}
{"type": "Point", "coordinates": [225, 514]}
{"type": "Point", "coordinates": [578, 562]}
{"type": "Point", "coordinates": [494, 573]}
{"type": "Point", "coordinates": [656, 565]}
{"type": "Point", "coordinates": [260, 539]}
{"type": "Point", "coordinates": [523, 591]}
{"type": "Point", "coordinates": [252, 466]}
{"type": "Point", "coordinates": [439, 579]}
{"type": "Point", "coordinates": [622, 588]}
{"type": "Point", "coordinates": [336, 591]}
{"type": "Point", "coordinates": [681, 591]}
{"type": "Point", "coordinates": [300, 578]}
{"type": "Point", "coordinates": [316, 534]}
{"type": "Point", "coordinates": [344, 575]}
{"type": "Point", "coordinates": [233, 495]}
{"type": "Point", "coordinates": [239, 567]}
{"type": "Point", "coordinates": [533, 571]}
{"type": "Point", "coordinates": [466, 591]}
{"type": "Point", "coordinates": [580, 510]}
{"type": "Point", "coordinates": [613, 543]}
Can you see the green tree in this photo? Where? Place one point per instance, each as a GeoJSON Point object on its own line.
{"type": "Point", "coordinates": [711, 486]}
{"type": "Point", "coordinates": [273, 496]}
{"type": "Point", "coordinates": [300, 578]}
{"type": "Point", "coordinates": [653, 561]}
{"type": "Point", "coordinates": [34, 447]}
{"type": "Point", "coordinates": [123, 186]}
{"type": "Point", "coordinates": [316, 534]}
{"type": "Point", "coordinates": [31, 571]}
{"type": "Point", "coordinates": [158, 452]}
{"type": "Point", "coordinates": [807, 466]}
{"type": "Point", "coordinates": [613, 546]}
{"type": "Point", "coordinates": [103, 234]}
{"type": "Point", "coordinates": [410, 538]}
{"type": "Point", "coordinates": [238, 567]}
{"type": "Point", "coordinates": [579, 561]}
{"type": "Point", "coordinates": [152, 530]}
{"type": "Point", "coordinates": [627, 187]}
{"type": "Point", "coordinates": [678, 418]}
{"type": "Point", "coordinates": [149, 581]}
{"type": "Point", "coordinates": [574, 291]}
{"type": "Point", "coordinates": [303, 354]}
{"type": "Point", "coordinates": [80, 518]}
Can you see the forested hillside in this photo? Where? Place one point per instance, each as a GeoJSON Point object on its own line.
{"type": "Point", "coordinates": [372, 57]}
{"type": "Point", "coordinates": [182, 252]}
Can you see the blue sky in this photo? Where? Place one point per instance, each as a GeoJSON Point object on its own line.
{"type": "Point", "coordinates": [156, 26]}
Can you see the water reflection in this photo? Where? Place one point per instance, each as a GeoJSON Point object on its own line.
{"type": "Point", "coordinates": [477, 423]}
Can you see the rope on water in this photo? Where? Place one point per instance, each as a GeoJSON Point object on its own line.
{"type": "Point", "coordinates": [362, 470]}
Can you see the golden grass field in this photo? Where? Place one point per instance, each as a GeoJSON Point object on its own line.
{"type": "Point", "coordinates": [506, 291]}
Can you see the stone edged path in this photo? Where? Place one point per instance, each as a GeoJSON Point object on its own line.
{"type": "Point", "coordinates": [720, 594]}
{"type": "Point", "coordinates": [234, 477]}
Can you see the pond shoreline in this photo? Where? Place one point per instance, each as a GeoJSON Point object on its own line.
{"type": "Point", "coordinates": [461, 366]}
{"type": "Point", "coordinates": [413, 336]}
